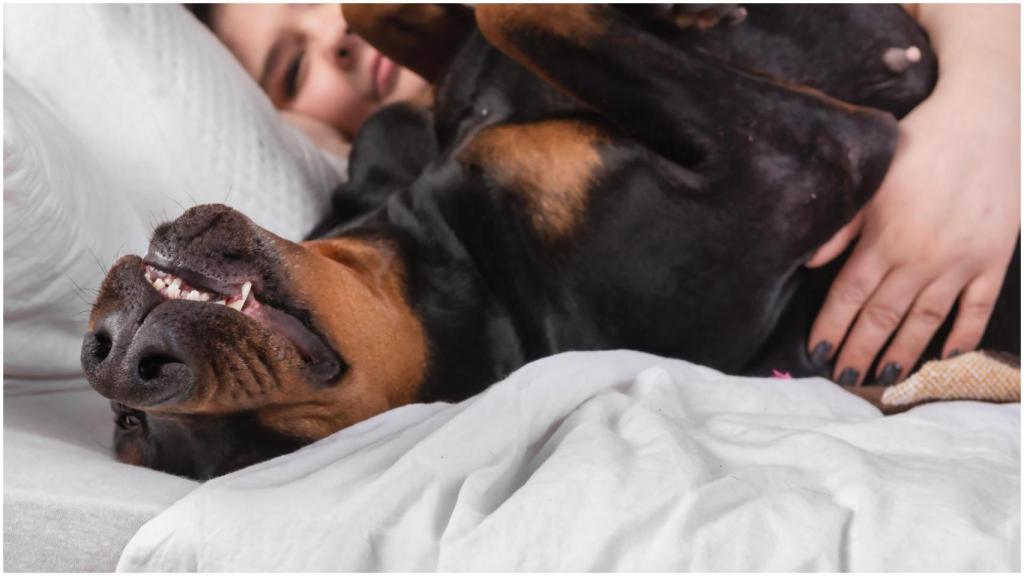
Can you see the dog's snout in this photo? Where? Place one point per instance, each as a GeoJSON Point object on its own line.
{"type": "Point", "coordinates": [121, 360]}
{"type": "Point", "coordinates": [137, 369]}
{"type": "Point", "coordinates": [210, 239]}
{"type": "Point", "coordinates": [199, 220]}
{"type": "Point", "coordinates": [203, 224]}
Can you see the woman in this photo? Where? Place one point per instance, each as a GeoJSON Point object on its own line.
{"type": "Point", "coordinates": [941, 229]}
{"type": "Point", "coordinates": [320, 75]}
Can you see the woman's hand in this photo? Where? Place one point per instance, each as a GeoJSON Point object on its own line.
{"type": "Point", "coordinates": [942, 226]}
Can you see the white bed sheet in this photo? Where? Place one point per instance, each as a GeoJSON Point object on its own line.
{"type": "Point", "coordinates": [620, 461]}
{"type": "Point", "coordinates": [68, 505]}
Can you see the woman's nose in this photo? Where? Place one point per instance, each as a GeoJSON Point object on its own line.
{"type": "Point", "coordinates": [330, 35]}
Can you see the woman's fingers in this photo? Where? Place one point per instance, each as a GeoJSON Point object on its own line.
{"type": "Point", "coordinates": [976, 305]}
{"type": "Point", "coordinates": [926, 315]}
{"type": "Point", "coordinates": [878, 319]}
{"type": "Point", "coordinates": [839, 241]}
{"type": "Point", "coordinates": [850, 291]}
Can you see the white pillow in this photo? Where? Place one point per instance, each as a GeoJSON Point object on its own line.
{"type": "Point", "coordinates": [117, 117]}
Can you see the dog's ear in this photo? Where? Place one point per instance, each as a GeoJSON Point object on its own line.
{"type": "Point", "coordinates": [389, 153]}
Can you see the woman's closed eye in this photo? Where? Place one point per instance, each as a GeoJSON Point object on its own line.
{"type": "Point", "coordinates": [293, 74]}
{"type": "Point", "coordinates": [283, 70]}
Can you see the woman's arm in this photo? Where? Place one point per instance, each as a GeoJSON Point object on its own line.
{"type": "Point", "coordinates": [944, 223]}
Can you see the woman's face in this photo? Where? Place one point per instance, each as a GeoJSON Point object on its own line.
{"type": "Point", "coordinates": [308, 62]}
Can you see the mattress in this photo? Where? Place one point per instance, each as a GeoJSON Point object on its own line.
{"type": "Point", "coordinates": [68, 506]}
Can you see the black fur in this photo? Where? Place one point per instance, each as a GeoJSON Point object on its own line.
{"type": "Point", "coordinates": [690, 248]}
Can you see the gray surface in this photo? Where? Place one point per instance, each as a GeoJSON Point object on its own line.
{"type": "Point", "coordinates": [68, 506]}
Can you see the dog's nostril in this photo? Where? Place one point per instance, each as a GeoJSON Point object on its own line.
{"type": "Point", "coordinates": [101, 347]}
{"type": "Point", "coordinates": [150, 366]}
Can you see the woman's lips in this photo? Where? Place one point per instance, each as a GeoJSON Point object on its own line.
{"type": "Point", "coordinates": [384, 74]}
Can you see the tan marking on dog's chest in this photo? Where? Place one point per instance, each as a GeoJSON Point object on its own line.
{"type": "Point", "coordinates": [551, 165]}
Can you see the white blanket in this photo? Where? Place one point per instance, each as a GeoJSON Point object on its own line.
{"type": "Point", "coordinates": [620, 461]}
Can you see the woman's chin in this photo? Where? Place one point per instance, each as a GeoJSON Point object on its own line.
{"type": "Point", "coordinates": [408, 87]}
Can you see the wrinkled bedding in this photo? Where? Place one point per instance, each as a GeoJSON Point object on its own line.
{"type": "Point", "coordinates": [620, 461]}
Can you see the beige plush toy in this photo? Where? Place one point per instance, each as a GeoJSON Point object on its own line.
{"type": "Point", "coordinates": [982, 376]}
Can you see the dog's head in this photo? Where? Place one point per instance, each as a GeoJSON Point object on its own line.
{"type": "Point", "coordinates": [226, 345]}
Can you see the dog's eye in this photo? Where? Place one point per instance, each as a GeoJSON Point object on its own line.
{"type": "Point", "coordinates": [128, 421]}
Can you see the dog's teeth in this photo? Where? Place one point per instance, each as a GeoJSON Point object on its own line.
{"type": "Point", "coordinates": [224, 302]}
{"type": "Point", "coordinates": [237, 305]}
{"type": "Point", "coordinates": [170, 287]}
{"type": "Point", "coordinates": [245, 291]}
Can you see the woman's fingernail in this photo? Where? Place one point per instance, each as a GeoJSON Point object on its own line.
{"type": "Point", "coordinates": [954, 354]}
{"type": "Point", "coordinates": [890, 374]}
{"type": "Point", "coordinates": [819, 356]}
{"type": "Point", "coordinates": [848, 377]}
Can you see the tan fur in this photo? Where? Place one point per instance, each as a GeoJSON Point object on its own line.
{"type": "Point", "coordinates": [421, 37]}
{"type": "Point", "coordinates": [355, 291]}
{"type": "Point", "coordinates": [697, 20]}
{"type": "Point", "coordinates": [502, 23]}
{"type": "Point", "coordinates": [550, 164]}
{"type": "Point", "coordinates": [498, 21]}
{"type": "Point", "coordinates": [130, 454]}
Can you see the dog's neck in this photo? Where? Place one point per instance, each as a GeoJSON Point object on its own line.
{"type": "Point", "coordinates": [464, 308]}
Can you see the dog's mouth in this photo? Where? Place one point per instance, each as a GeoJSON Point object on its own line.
{"type": "Point", "coordinates": [248, 296]}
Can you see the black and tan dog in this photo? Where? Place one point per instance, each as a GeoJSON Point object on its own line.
{"type": "Point", "coordinates": [589, 178]}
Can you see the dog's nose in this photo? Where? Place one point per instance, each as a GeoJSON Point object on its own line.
{"type": "Point", "coordinates": [121, 360]}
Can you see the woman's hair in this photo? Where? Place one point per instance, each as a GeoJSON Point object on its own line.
{"type": "Point", "coordinates": [202, 12]}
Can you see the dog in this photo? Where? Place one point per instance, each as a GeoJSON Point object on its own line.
{"type": "Point", "coordinates": [589, 177]}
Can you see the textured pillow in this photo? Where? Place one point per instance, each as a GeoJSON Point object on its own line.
{"type": "Point", "coordinates": [117, 117]}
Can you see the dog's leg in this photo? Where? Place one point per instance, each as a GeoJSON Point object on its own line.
{"type": "Point", "coordinates": [683, 103]}
{"type": "Point", "coordinates": [799, 163]}
{"type": "Point", "coordinates": [421, 37]}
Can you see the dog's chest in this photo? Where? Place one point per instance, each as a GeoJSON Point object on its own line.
{"type": "Point", "coordinates": [548, 167]}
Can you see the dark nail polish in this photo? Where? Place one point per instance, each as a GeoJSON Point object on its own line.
{"type": "Point", "coordinates": [819, 356]}
{"type": "Point", "coordinates": [848, 377]}
{"type": "Point", "coordinates": [954, 354]}
{"type": "Point", "coordinates": [890, 374]}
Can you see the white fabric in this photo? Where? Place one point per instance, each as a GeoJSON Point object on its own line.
{"type": "Point", "coordinates": [117, 117]}
{"type": "Point", "coordinates": [68, 506]}
{"type": "Point", "coordinates": [620, 461]}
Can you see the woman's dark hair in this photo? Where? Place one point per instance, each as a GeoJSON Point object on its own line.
{"type": "Point", "coordinates": [202, 12]}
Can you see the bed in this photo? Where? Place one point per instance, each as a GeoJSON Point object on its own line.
{"type": "Point", "coordinates": [612, 460]}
